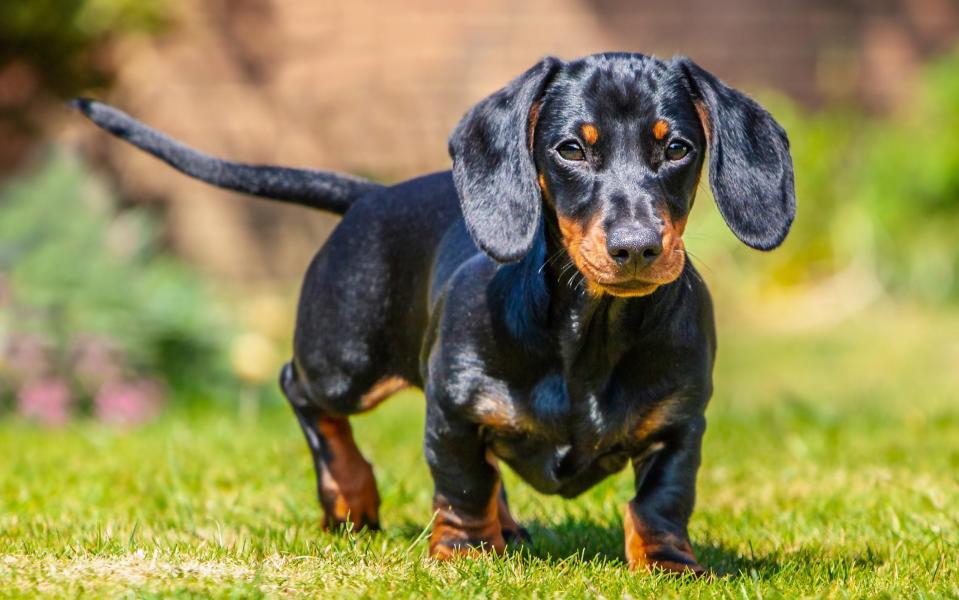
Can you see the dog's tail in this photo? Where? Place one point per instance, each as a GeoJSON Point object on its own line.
{"type": "Point", "coordinates": [317, 189]}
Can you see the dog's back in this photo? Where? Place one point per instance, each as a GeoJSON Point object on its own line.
{"type": "Point", "coordinates": [371, 281]}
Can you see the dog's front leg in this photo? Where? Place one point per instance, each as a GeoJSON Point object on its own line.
{"type": "Point", "coordinates": [656, 518]}
{"type": "Point", "coordinates": [466, 489]}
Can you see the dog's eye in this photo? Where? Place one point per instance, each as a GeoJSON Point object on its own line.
{"type": "Point", "coordinates": [571, 151]}
{"type": "Point", "coordinates": [676, 150]}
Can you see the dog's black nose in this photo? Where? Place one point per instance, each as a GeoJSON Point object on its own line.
{"type": "Point", "coordinates": [634, 246]}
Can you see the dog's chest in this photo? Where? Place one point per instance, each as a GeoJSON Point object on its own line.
{"type": "Point", "coordinates": [554, 440]}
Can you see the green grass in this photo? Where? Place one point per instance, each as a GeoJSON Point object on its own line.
{"type": "Point", "coordinates": [830, 469]}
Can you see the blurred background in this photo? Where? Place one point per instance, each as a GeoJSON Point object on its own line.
{"type": "Point", "coordinates": [126, 287]}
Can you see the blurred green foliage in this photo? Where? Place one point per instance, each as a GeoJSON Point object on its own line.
{"type": "Point", "coordinates": [909, 183]}
{"type": "Point", "coordinates": [877, 194]}
{"type": "Point", "coordinates": [75, 267]}
{"type": "Point", "coordinates": [59, 38]}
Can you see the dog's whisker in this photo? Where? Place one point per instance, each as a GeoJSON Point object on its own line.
{"type": "Point", "coordinates": [700, 261]}
{"type": "Point", "coordinates": [566, 268]}
{"type": "Point", "coordinates": [581, 285]}
{"type": "Point", "coordinates": [555, 255]}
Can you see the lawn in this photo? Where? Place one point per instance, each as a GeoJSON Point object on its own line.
{"type": "Point", "coordinates": [830, 469]}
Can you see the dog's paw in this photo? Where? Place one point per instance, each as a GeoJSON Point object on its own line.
{"type": "Point", "coordinates": [675, 566]}
{"type": "Point", "coordinates": [352, 501]}
{"type": "Point", "coordinates": [448, 550]}
{"type": "Point", "coordinates": [456, 535]}
{"type": "Point", "coordinates": [333, 523]}
{"type": "Point", "coordinates": [658, 550]}
{"type": "Point", "coordinates": [679, 561]}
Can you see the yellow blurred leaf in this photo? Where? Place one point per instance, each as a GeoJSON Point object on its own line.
{"type": "Point", "coordinates": [254, 359]}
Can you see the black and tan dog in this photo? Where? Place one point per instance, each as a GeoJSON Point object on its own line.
{"type": "Point", "coordinates": [539, 293]}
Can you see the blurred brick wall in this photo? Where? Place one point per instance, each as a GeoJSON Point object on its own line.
{"type": "Point", "coordinates": [816, 51]}
{"type": "Point", "coordinates": [374, 88]}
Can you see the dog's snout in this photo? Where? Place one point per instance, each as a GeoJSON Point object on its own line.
{"type": "Point", "coordinates": [638, 246]}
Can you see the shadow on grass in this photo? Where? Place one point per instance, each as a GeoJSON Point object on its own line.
{"type": "Point", "coordinates": [725, 561]}
{"type": "Point", "coordinates": [589, 541]}
{"type": "Point", "coordinates": [586, 540]}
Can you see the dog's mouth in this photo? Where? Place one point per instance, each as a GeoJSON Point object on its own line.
{"type": "Point", "coordinates": [632, 289]}
{"type": "Point", "coordinates": [631, 285]}
{"type": "Point", "coordinates": [629, 288]}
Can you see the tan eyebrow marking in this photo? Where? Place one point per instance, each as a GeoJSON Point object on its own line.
{"type": "Point", "coordinates": [590, 133]}
{"type": "Point", "coordinates": [660, 129]}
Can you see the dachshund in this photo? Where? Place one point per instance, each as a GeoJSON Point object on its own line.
{"type": "Point", "coordinates": [539, 293]}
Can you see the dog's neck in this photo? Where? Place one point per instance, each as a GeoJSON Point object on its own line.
{"type": "Point", "coordinates": [550, 310]}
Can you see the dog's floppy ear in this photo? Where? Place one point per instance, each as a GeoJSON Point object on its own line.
{"type": "Point", "coordinates": [750, 168]}
{"type": "Point", "coordinates": [493, 166]}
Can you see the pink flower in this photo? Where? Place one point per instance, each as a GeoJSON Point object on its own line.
{"type": "Point", "coordinates": [128, 402]}
{"type": "Point", "coordinates": [46, 400]}
{"type": "Point", "coordinates": [96, 362]}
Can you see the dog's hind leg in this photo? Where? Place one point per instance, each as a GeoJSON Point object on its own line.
{"type": "Point", "coordinates": [345, 482]}
{"type": "Point", "coordinates": [356, 342]}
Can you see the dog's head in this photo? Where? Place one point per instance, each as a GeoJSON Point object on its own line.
{"type": "Point", "coordinates": [614, 145]}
